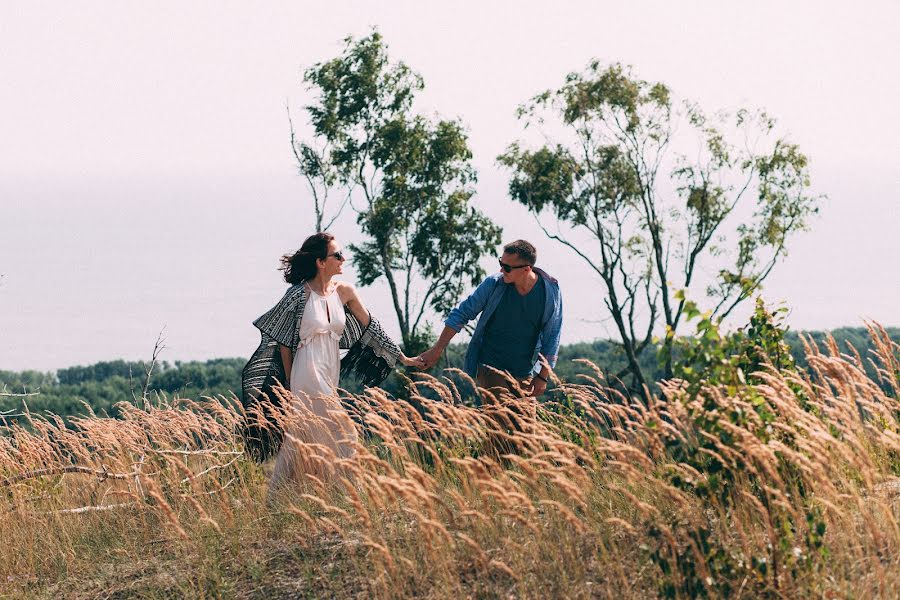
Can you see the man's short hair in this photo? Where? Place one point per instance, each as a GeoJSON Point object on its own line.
{"type": "Point", "coordinates": [523, 250]}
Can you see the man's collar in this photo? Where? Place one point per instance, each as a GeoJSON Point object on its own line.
{"type": "Point", "coordinates": [545, 275]}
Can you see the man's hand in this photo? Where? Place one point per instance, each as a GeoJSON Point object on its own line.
{"type": "Point", "coordinates": [538, 386]}
{"type": "Point", "coordinates": [430, 357]}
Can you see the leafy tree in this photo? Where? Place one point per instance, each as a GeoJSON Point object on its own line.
{"type": "Point", "coordinates": [646, 190]}
{"type": "Point", "coordinates": [411, 177]}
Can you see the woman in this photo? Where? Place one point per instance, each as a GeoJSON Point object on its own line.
{"type": "Point", "coordinates": [301, 337]}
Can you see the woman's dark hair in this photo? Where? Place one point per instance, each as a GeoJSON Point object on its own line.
{"type": "Point", "coordinates": [301, 265]}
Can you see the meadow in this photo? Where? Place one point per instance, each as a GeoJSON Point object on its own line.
{"type": "Point", "coordinates": [776, 482]}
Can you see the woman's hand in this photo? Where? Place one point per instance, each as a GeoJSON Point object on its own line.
{"type": "Point", "coordinates": [417, 363]}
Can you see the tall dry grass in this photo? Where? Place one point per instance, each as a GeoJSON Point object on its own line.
{"type": "Point", "coordinates": [592, 495]}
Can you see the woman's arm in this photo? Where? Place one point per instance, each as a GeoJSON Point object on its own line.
{"type": "Point", "coordinates": [287, 359]}
{"type": "Point", "coordinates": [349, 296]}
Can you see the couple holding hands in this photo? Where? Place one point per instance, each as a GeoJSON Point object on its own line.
{"type": "Point", "coordinates": [521, 317]}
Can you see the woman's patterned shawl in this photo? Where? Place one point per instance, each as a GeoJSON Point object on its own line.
{"type": "Point", "coordinates": [372, 355]}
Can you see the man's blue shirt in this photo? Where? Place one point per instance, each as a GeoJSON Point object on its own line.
{"type": "Point", "coordinates": [512, 331]}
{"type": "Point", "coordinates": [485, 300]}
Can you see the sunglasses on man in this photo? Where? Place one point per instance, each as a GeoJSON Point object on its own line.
{"type": "Point", "coordinates": [509, 268]}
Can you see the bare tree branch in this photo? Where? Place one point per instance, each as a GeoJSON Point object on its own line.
{"type": "Point", "coordinates": [102, 474]}
{"type": "Point", "coordinates": [6, 394]}
{"type": "Point", "coordinates": [84, 509]}
{"type": "Point", "coordinates": [158, 347]}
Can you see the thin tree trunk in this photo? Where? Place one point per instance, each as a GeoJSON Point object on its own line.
{"type": "Point", "coordinates": [395, 297]}
{"type": "Point", "coordinates": [627, 343]}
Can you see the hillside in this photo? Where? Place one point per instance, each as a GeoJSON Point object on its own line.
{"type": "Point", "coordinates": [778, 483]}
{"type": "Point", "coordinates": [102, 385]}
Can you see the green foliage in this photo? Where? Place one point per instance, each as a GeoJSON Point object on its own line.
{"type": "Point", "coordinates": [713, 365]}
{"type": "Point", "coordinates": [717, 369]}
{"type": "Point", "coordinates": [423, 234]}
{"type": "Point", "coordinates": [711, 358]}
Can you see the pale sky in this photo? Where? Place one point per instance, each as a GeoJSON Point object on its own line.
{"type": "Point", "coordinates": [146, 179]}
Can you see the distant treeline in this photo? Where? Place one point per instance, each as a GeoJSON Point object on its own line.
{"type": "Point", "coordinates": [102, 385]}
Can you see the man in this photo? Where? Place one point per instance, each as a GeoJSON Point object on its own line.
{"type": "Point", "coordinates": [521, 316]}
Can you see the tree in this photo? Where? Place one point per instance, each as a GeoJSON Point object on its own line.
{"type": "Point", "coordinates": [410, 178]}
{"type": "Point", "coordinates": [646, 190]}
{"type": "Point", "coordinates": [316, 166]}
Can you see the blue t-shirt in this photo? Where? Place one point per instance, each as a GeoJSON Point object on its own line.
{"type": "Point", "coordinates": [511, 335]}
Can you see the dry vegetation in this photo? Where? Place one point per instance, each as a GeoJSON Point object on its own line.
{"type": "Point", "coordinates": [790, 494]}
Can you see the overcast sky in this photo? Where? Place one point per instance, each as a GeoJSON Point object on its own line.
{"type": "Point", "coordinates": [146, 179]}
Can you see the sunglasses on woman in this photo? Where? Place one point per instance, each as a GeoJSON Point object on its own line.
{"type": "Point", "coordinates": [338, 255]}
{"type": "Point", "coordinates": [509, 268]}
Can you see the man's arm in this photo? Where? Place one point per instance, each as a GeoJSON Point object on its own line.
{"type": "Point", "coordinates": [467, 310]}
{"type": "Point", "coordinates": [548, 347]}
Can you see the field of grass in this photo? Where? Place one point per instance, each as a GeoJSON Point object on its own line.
{"type": "Point", "coordinates": [783, 487]}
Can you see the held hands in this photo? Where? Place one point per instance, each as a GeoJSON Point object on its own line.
{"type": "Point", "coordinates": [430, 357]}
{"type": "Point", "coordinates": [412, 362]}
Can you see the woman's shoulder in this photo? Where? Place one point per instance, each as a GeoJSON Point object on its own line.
{"type": "Point", "coordinates": [345, 291]}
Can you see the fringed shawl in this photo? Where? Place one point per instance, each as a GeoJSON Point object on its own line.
{"type": "Point", "coordinates": [371, 356]}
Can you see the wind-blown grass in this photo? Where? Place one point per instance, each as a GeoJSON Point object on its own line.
{"type": "Point", "coordinates": [591, 495]}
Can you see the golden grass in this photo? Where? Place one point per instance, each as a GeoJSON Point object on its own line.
{"type": "Point", "coordinates": [590, 497]}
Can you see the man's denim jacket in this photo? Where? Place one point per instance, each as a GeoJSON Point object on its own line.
{"type": "Point", "coordinates": [485, 300]}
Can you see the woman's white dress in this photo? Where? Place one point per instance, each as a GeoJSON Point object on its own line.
{"type": "Point", "coordinates": [320, 418]}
